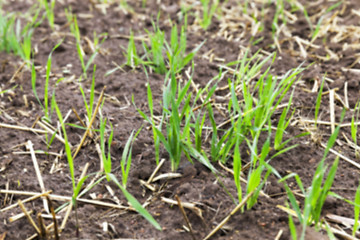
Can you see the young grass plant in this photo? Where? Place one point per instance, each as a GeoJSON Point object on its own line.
{"type": "Point", "coordinates": [208, 11]}
{"type": "Point", "coordinates": [248, 121]}
{"type": "Point", "coordinates": [76, 186]}
{"type": "Point", "coordinates": [49, 9]}
{"type": "Point", "coordinates": [177, 115]}
{"type": "Point", "coordinates": [176, 58]}
{"type": "Point", "coordinates": [132, 58]}
{"type": "Point", "coordinates": [356, 211]}
{"type": "Point", "coordinates": [318, 101]}
{"type": "Point", "coordinates": [15, 39]}
{"type": "Point", "coordinates": [279, 144]}
{"type": "Point", "coordinates": [125, 167]}
{"type": "Point", "coordinates": [106, 159]}
{"type": "Point", "coordinates": [48, 110]}
{"type": "Point", "coordinates": [74, 28]}
{"type": "Point", "coordinates": [354, 128]}
{"type": "Point", "coordinates": [107, 168]}
{"type": "Point", "coordinates": [317, 193]}
{"type": "Point", "coordinates": [89, 105]}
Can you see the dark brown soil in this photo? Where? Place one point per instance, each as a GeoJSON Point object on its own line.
{"type": "Point", "coordinates": [197, 184]}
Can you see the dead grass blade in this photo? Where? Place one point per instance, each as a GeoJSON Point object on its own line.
{"type": "Point", "coordinates": [187, 205]}
{"type": "Point", "coordinates": [342, 156]}
{"type": "Point", "coordinates": [18, 216]}
{"type": "Point", "coordinates": [34, 196]}
{"type": "Point", "coordinates": [56, 232]}
{"type": "Point", "coordinates": [223, 222]}
{"type": "Point", "coordinates": [4, 125]}
{"type": "Point", "coordinates": [32, 223]}
{"type": "Point", "coordinates": [185, 217]}
{"type": "Point", "coordinates": [29, 146]}
{"type": "Point", "coordinates": [91, 122]}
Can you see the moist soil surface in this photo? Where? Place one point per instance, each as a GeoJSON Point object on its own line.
{"type": "Point", "coordinates": [332, 55]}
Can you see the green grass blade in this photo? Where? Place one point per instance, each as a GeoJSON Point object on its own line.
{"type": "Point", "coordinates": [135, 204]}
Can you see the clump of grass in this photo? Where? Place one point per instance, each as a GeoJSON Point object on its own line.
{"type": "Point", "coordinates": [14, 38]}
{"type": "Point", "coordinates": [125, 167]}
{"type": "Point", "coordinates": [208, 11]}
{"type": "Point", "coordinates": [248, 119]}
{"type": "Point", "coordinates": [162, 55]}
{"type": "Point", "coordinates": [107, 169]}
{"type": "Point", "coordinates": [49, 9]}
{"type": "Point", "coordinates": [132, 58]}
{"type": "Point", "coordinates": [177, 139]}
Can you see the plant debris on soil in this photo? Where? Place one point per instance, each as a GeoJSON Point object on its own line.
{"type": "Point", "coordinates": [191, 201]}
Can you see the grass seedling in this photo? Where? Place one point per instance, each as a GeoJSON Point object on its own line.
{"type": "Point", "coordinates": [208, 12]}
{"type": "Point", "coordinates": [279, 14]}
{"type": "Point", "coordinates": [76, 186]}
{"type": "Point", "coordinates": [15, 39]}
{"type": "Point", "coordinates": [282, 125]}
{"type": "Point", "coordinates": [155, 137]}
{"type": "Point", "coordinates": [176, 58]}
{"type": "Point", "coordinates": [133, 60]}
{"type": "Point", "coordinates": [279, 144]}
{"type": "Point", "coordinates": [89, 105]}
{"type": "Point", "coordinates": [318, 100]}
{"type": "Point", "coordinates": [49, 9]}
{"type": "Point", "coordinates": [107, 167]}
{"type": "Point", "coordinates": [74, 28]}
{"type": "Point", "coordinates": [317, 193]}
{"type": "Point", "coordinates": [356, 211]}
{"type": "Point", "coordinates": [176, 110]}
{"type": "Point", "coordinates": [125, 162]}
{"type": "Point", "coordinates": [45, 105]}
{"type": "Point", "coordinates": [125, 167]}
{"type": "Point", "coordinates": [318, 25]}
{"type": "Point", "coordinates": [354, 128]}
{"type": "Point", "coordinates": [106, 159]}
{"type": "Point", "coordinates": [155, 50]}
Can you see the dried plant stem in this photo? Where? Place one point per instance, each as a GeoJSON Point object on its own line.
{"type": "Point", "coordinates": [155, 171]}
{"type": "Point", "coordinates": [4, 125]}
{"type": "Point", "coordinates": [56, 232]}
{"type": "Point", "coordinates": [62, 198]}
{"type": "Point", "coordinates": [35, 235]}
{"type": "Point", "coordinates": [223, 222]}
{"type": "Point", "coordinates": [185, 217]}
{"type": "Point", "coordinates": [41, 226]}
{"type": "Point", "coordinates": [17, 72]}
{"type": "Point", "coordinates": [29, 146]}
{"type": "Point", "coordinates": [328, 123]}
{"type": "Point", "coordinates": [187, 205]}
{"type": "Point", "coordinates": [91, 122]}
{"type": "Point", "coordinates": [50, 131]}
{"type": "Point", "coordinates": [18, 216]}
{"type": "Point", "coordinates": [342, 156]}
{"type": "Point", "coordinates": [34, 196]}
{"type": "Point", "coordinates": [29, 217]}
